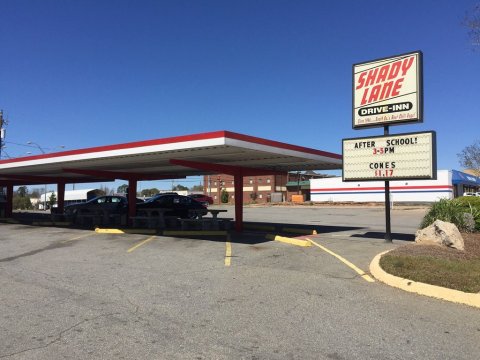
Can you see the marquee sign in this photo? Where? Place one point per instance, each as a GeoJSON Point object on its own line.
{"type": "Point", "coordinates": [388, 91]}
{"type": "Point", "coordinates": [390, 157]}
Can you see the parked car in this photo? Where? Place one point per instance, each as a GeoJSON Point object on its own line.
{"type": "Point", "coordinates": [470, 194]}
{"type": "Point", "coordinates": [203, 199]}
{"type": "Point", "coordinates": [113, 204]}
{"type": "Point", "coordinates": [181, 206]}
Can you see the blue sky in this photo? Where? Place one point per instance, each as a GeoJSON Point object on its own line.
{"type": "Point", "coordinates": [87, 73]}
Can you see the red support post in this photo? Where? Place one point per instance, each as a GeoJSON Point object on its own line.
{"type": "Point", "coordinates": [9, 204]}
{"type": "Point", "coordinates": [61, 197]}
{"type": "Point", "coordinates": [132, 199]}
{"type": "Point", "coordinates": [238, 186]}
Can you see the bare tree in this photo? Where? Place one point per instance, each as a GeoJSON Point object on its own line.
{"type": "Point", "coordinates": [472, 22]}
{"type": "Point", "coordinates": [469, 158]}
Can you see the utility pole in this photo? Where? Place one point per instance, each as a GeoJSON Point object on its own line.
{"type": "Point", "coordinates": [2, 136]}
{"type": "Point", "coordinates": [2, 131]}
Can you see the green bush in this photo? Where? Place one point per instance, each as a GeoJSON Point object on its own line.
{"type": "Point", "coordinates": [468, 200]}
{"type": "Point", "coordinates": [21, 203]}
{"type": "Point", "coordinates": [452, 211]}
{"type": "Point", "coordinates": [224, 196]}
{"type": "Point", "coordinates": [471, 205]}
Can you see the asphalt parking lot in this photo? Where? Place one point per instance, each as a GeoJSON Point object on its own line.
{"type": "Point", "coordinates": [76, 294]}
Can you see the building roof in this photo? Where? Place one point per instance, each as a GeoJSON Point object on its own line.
{"type": "Point", "coordinates": [159, 158]}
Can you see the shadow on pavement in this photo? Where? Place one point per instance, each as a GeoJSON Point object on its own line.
{"type": "Point", "coordinates": [381, 235]}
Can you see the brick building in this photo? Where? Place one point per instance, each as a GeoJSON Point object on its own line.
{"type": "Point", "coordinates": [261, 189]}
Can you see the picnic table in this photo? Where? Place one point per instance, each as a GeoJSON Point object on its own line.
{"type": "Point", "coordinates": [99, 217]}
{"type": "Point", "coordinates": [199, 220]}
{"type": "Point", "coordinates": [153, 217]}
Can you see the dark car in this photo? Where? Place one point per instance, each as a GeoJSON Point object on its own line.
{"type": "Point", "coordinates": [201, 198]}
{"type": "Point", "coordinates": [180, 206]}
{"type": "Point", "coordinates": [113, 204]}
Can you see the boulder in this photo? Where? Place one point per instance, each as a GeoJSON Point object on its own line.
{"type": "Point", "coordinates": [441, 233]}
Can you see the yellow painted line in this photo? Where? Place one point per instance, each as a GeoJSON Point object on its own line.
{"type": "Point", "coordinates": [195, 232]}
{"type": "Point", "coordinates": [299, 231]}
{"type": "Point", "coordinates": [288, 240]}
{"type": "Point", "coordinates": [228, 252]}
{"type": "Point", "coordinates": [78, 237]}
{"type": "Point", "coordinates": [141, 243]}
{"type": "Point", "coordinates": [359, 271]}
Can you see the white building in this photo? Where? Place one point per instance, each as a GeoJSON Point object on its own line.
{"type": "Point", "coordinates": [71, 196]}
{"type": "Point", "coordinates": [449, 184]}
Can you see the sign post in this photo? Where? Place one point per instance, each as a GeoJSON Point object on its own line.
{"type": "Point", "coordinates": [388, 226]}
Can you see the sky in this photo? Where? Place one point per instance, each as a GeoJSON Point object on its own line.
{"type": "Point", "coordinates": [95, 72]}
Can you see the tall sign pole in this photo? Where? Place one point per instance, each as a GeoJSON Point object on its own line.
{"type": "Point", "coordinates": [388, 226]}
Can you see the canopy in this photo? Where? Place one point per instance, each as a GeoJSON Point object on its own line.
{"type": "Point", "coordinates": [459, 177]}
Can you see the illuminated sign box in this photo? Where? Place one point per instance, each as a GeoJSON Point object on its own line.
{"type": "Point", "coordinates": [388, 91]}
{"type": "Point", "coordinates": [390, 157]}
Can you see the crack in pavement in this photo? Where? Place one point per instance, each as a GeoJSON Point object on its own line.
{"type": "Point", "coordinates": [59, 336]}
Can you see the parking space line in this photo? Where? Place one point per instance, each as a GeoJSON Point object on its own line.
{"type": "Point", "coordinates": [228, 251]}
{"type": "Point", "coordinates": [78, 237]}
{"type": "Point", "coordinates": [141, 243]}
{"type": "Point", "coordinates": [345, 261]}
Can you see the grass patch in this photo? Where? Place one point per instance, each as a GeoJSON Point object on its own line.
{"type": "Point", "coordinates": [458, 274]}
{"type": "Point", "coordinates": [438, 265]}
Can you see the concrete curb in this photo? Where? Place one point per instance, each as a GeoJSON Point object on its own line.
{"type": "Point", "coordinates": [126, 231]}
{"type": "Point", "coordinates": [438, 292]}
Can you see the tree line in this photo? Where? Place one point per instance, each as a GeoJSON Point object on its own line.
{"type": "Point", "coordinates": [22, 198]}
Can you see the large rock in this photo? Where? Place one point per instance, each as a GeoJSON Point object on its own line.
{"type": "Point", "coordinates": [441, 233]}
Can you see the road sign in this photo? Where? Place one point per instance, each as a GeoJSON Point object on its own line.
{"type": "Point", "coordinates": [391, 157]}
{"type": "Point", "coordinates": [388, 91]}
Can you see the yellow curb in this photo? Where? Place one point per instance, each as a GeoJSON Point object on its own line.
{"type": "Point", "coordinates": [126, 231]}
{"type": "Point", "coordinates": [195, 232]}
{"type": "Point", "coordinates": [259, 227]}
{"type": "Point", "coordinates": [288, 240]}
{"type": "Point", "coordinates": [300, 231]}
{"type": "Point", "coordinates": [438, 292]}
